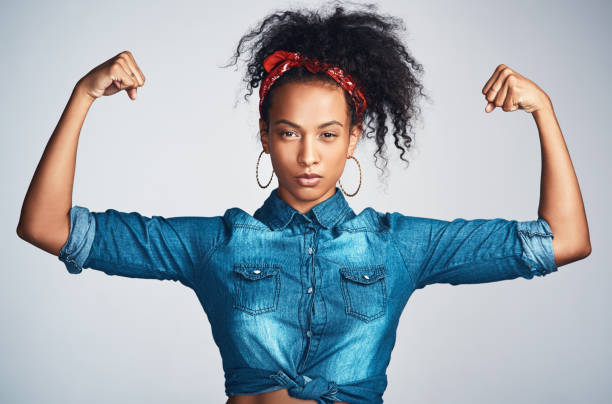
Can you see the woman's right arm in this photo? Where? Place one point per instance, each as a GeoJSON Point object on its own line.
{"type": "Point", "coordinates": [119, 243]}
{"type": "Point", "coordinates": [45, 214]}
{"type": "Point", "coordinates": [45, 220]}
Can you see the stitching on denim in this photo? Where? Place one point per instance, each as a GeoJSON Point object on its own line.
{"type": "Point", "coordinates": [341, 217]}
{"type": "Point", "coordinates": [200, 270]}
{"type": "Point", "coordinates": [395, 244]}
{"type": "Point", "coordinates": [534, 233]}
{"type": "Point", "coordinates": [310, 350]}
{"type": "Point", "coordinates": [249, 310]}
{"type": "Point", "coordinates": [348, 306]}
{"type": "Point", "coordinates": [325, 322]}
{"type": "Point", "coordinates": [359, 230]}
{"type": "Point", "coordinates": [248, 226]}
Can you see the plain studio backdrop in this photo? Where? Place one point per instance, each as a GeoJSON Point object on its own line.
{"type": "Point", "coordinates": [188, 147]}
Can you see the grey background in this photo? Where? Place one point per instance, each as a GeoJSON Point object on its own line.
{"type": "Point", "coordinates": [183, 148]}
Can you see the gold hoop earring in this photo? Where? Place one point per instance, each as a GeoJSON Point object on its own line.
{"type": "Point", "coordinates": [257, 172]}
{"type": "Point", "coordinates": [339, 183]}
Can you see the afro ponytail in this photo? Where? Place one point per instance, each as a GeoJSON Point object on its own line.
{"type": "Point", "coordinates": [364, 44]}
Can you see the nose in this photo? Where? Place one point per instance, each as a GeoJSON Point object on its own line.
{"type": "Point", "coordinates": [308, 154]}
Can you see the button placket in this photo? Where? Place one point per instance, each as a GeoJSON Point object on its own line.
{"type": "Point", "coordinates": [312, 232]}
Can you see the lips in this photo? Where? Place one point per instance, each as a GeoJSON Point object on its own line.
{"type": "Point", "coordinates": [308, 180]}
{"type": "Point", "coordinates": [311, 175]}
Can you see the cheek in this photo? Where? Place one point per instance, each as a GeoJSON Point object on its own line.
{"type": "Point", "coordinates": [283, 160]}
{"type": "Point", "coordinates": [334, 162]}
{"type": "Point", "coordinates": [335, 155]}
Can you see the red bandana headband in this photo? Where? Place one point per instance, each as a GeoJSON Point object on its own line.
{"type": "Point", "coordinates": [280, 61]}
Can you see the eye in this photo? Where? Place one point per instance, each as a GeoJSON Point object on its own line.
{"type": "Point", "coordinates": [332, 135]}
{"type": "Point", "coordinates": [285, 132]}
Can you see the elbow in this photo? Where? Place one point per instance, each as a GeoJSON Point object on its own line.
{"type": "Point", "coordinates": [26, 231]}
{"type": "Point", "coordinates": [567, 252]}
{"type": "Point", "coordinates": [582, 252]}
{"type": "Point", "coordinates": [21, 232]}
{"type": "Point", "coordinates": [587, 250]}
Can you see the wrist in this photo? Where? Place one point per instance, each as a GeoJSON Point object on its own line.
{"type": "Point", "coordinates": [80, 94]}
{"type": "Point", "coordinates": [545, 109]}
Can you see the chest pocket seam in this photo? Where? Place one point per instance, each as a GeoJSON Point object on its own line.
{"type": "Point", "coordinates": [256, 287]}
{"type": "Point", "coordinates": [364, 291]}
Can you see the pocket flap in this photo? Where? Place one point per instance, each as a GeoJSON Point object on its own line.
{"type": "Point", "coordinates": [255, 272]}
{"type": "Point", "coordinates": [365, 275]}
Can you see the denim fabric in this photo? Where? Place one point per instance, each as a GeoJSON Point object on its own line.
{"type": "Point", "coordinates": [308, 302]}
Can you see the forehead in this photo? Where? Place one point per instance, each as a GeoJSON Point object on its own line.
{"type": "Point", "coordinates": [309, 102]}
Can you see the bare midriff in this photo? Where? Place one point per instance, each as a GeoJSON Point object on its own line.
{"type": "Point", "coordinates": [273, 397]}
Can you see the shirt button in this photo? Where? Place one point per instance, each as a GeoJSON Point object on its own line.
{"type": "Point", "coordinates": [308, 333]}
{"type": "Point", "coordinates": [309, 250]}
{"type": "Point", "coordinates": [366, 276]}
{"type": "Point", "coordinates": [256, 271]}
{"type": "Point", "coordinates": [309, 290]}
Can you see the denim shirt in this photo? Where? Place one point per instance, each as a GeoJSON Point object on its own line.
{"type": "Point", "coordinates": [308, 302]}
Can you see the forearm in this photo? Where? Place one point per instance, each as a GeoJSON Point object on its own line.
{"type": "Point", "coordinates": [49, 197]}
{"type": "Point", "coordinates": [561, 202]}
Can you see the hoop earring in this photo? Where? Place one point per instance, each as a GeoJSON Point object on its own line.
{"type": "Point", "coordinates": [257, 172]}
{"type": "Point", "coordinates": [339, 183]}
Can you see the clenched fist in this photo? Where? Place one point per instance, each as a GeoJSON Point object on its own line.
{"type": "Point", "coordinates": [511, 91]}
{"type": "Point", "coordinates": [118, 73]}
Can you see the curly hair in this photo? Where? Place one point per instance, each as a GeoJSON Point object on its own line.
{"type": "Point", "coordinates": [364, 44]}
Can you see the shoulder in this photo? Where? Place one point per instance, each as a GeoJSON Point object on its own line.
{"type": "Point", "coordinates": [238, 218]}
{"type": "Point", "coordinates": [399, 222]}
{"type": "Point", "coordinates": [370, 219]}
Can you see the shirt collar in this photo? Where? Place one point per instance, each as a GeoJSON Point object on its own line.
{"type": "Point", "coordinates": [277, 213]}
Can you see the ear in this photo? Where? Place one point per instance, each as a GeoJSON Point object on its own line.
{"type": "Point", "coordinates": [263, 135]}
{"type": "Point", "coordinates": [354, 135]}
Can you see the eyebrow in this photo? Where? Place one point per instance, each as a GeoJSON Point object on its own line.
{"type": "Point", "coordinates": [299, 127]}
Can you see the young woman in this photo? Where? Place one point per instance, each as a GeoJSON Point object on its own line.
{"type": "Point", "coordinates": [304, 296]}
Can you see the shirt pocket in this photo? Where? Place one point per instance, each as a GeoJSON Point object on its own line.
{"type": "Point", "coordinates": [256, 287]}
{"type": "Point", "coordinates": [364, 291]}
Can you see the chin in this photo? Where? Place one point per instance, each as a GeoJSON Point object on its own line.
{"type": "Point", "coordinates": [311, 193]}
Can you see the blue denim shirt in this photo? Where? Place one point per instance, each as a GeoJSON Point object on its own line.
{"type": "Point", "coordinates": [308, 302]}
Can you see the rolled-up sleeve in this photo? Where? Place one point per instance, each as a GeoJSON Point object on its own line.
{"type": "Point", "coordinates": [536, 240]}
{"type": "Point", "coordinates": [80, 239]}
{"type": "Point", "coordinates": [464, 251]}
{"type": "Point", "coordinates": [136, 246]}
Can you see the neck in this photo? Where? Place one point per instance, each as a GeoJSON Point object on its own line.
{"type": "Point", "coordinates": [303, 205]}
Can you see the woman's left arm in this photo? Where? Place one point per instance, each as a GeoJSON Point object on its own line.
{"type": "Point", "coordinates": [560, 198]}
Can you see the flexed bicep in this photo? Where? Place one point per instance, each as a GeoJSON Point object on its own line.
{"type": "Point", "coordinates": [137, 246]}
